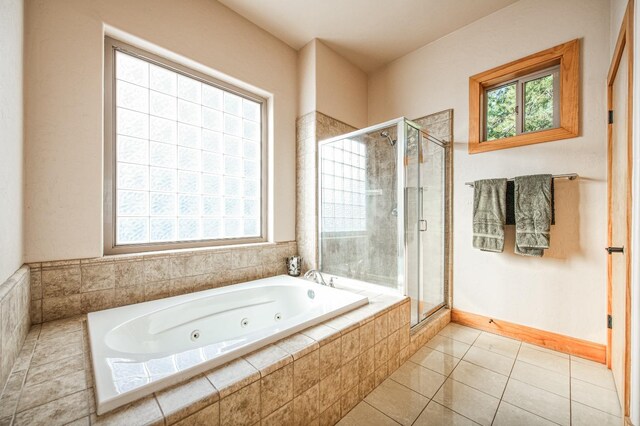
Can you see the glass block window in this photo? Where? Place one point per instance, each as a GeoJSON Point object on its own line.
{"type": "Point", "coordinates": [187, 157]}
{"type": "Point", "coordinates": [343, 186]}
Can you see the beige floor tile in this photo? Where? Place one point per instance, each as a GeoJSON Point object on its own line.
{"type": "Point", "coordinates": [64, 410]}
{"type": "Point", "coordinates": [493, 361]}
{"type": "Point", "coordinates": [52, 390]}
{"type": "Point", "coordinates": [541, 378]}
{"type": "Point", "coordinates": [582, 415]}
{"type": "Point", "coordinates": [448, 346]}
{"type": "Point", "coordinates": [435, 360]}
{"type": "Point", "coordinates": [460, 333]}
{"type": "Point", "coordinates": [543, 349]}
{"type": "Point", "coordinates": [439, 415]}
{"type": "Point", "coordinates": [364, 414]}
{"type": "Point", "coordinates": [47, 372]}
{"type": "Point", "coordinates": [418, 378]}
{"type": "Point", "coordinates": [398, 402]}
{"type": "Point", "coordinates": [480, 378]}
{"type": "Point", "coordinates": [544, 359]}
{"type": "Point", "coordinates": [469, 402]}
{"type": "Point", "coordinates": [537, 401]}
{"type": "Point", "coordinates": [498, 344]}
{"type": "Point", "coordinates": [595, 397]}
{"type": "Point", "coordinates": [596, 374]}
{"type": "Point", "coordinates": [510, 415]}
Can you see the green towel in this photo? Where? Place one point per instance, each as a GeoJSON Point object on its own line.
{"type": "Point", "coordinates": [532, 204]}
{"type": "Point", "coordinates": [489, 214]}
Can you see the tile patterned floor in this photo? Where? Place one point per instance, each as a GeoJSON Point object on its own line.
{"type": "Point", "coordinates": [465, 376]}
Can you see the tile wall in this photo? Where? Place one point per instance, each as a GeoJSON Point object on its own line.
{"type": "Point", "coordinates": [14, 313]}
{"type": "Point", "coordinates": [71, 287]}
{"type": "Point", "coordinates": [314, 127]}
{"type": "Point", "coordinates": [310, 129]}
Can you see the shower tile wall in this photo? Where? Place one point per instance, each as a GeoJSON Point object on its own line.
{"type": "Point", "coordinates": [381, 240]}
{"type": "Point", "coordinates": [14, 312]}
{"type": "Point", "coordinates": [66, 288]}
{"type": "Point", "coordinates": [311, 128]}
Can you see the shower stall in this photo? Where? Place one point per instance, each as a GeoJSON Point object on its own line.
{"type": "Point", "coordinates": [383, 213]}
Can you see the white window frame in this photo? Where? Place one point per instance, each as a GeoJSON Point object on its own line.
{"type": "Point", "coordinates": [520, 83]}
{"type": "Point", "coordinates": [109, 228]}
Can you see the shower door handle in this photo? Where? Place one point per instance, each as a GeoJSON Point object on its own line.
{"type": "Point", "coordinates": [422, 225]}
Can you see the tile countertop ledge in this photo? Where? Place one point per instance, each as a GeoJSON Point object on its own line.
{"type": "Point", "coordinates": [52, 381]}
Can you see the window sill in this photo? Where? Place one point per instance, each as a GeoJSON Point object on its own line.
{"type": "Point", "coordinates": [187, 250]}
{"type": "Point", "coordinates": [521, 140]}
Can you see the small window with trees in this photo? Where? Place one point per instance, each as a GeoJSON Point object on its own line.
{"type": "Point", "coordinates": [528, 101]}
{"type": "Point", "coordinates": [527, 104]}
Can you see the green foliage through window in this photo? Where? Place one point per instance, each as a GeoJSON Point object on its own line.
{"type": "Point", "coordinates": [538, 104]}
{"type": "Point", "coordinates": [501, 112]}
{"type": "Point", "coordinates": [532, 95]}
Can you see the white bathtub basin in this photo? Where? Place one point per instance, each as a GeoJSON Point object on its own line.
{"type": "Point", "coordinates": [142, 348]}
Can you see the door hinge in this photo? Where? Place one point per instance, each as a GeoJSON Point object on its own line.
{"type": "Point", "coordinates": [610, 116]}
{"type": "Point", "coordinates": [609, 321]}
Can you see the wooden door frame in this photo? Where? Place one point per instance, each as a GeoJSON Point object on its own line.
{"type": "Point", "coordinates": [625, 39]}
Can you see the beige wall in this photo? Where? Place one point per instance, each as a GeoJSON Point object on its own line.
{"type": "Point", "coordinates": [617, 9]}
{"type": "Point", "coordinates": [307, 79]}
{"type": "Point", "coordinates": [329, 83]}
{"type": "Point", "coordinates": [11, 136]}
{"type": "Point", "coordinates": [64, 151]}
{"type": "Point", "coordinates": [341, 87]}
{"type": "Point", "coordinates": [565, 291]}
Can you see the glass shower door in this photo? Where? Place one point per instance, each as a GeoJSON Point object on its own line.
{"type": "Point", "coordinates": [425, 223]}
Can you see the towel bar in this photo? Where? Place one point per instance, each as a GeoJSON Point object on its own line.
{"type": "Point", "coordinates": [570, 176]}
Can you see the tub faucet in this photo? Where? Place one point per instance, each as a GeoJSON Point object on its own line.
{"type": "Point", "coordinates": [316, 276]}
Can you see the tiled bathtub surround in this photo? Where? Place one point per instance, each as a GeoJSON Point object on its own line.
{"type": "Point", "coordinates": [14, 314]}
{"type": "Point", "coordinates": [72, 287]}
{"type": "Point", "coordinates": [313, 377]}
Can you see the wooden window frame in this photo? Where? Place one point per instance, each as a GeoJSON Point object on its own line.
{"type": "Point", "coordinates": [567, 57]}
{"type": "Point", "coordinates": [520, 84]}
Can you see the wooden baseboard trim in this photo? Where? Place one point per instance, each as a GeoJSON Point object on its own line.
{"type": "Point", "coordinates": [558, 342]}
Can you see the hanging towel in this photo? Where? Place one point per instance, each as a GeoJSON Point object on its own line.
{"type": "Point", "coordinates": [489, 213]}
{"type": "Point", "coordinates": [532, 204]}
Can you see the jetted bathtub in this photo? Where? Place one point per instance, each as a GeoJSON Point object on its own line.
{"type": "Point", "coordinates": [142, 348]}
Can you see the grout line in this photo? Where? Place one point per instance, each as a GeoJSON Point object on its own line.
{"type": "Point", "coordinates": [536, 387]}
{"type": "Point", "coordinates": [597, 409]}
{"type": "Point", "coordinates": [570, 386]}
{"type": "Point", "coordinates": [407, 387]}
{"type": "Point", "coordinates": [593, 384]}
{"type": "Point", "coordinates": [382, 412]}
{"type": "Point", "coordinates": [542, 389]}
{"type": "Point", "coordinates": [527, 411]}
{"type": "Point", "coordinates": [506, 384]}
{"type": "Point", "coordinates": [26, 374]}
{"type": "Point", "coordinates": [461, 415]}
{"type": "Point", "coordinates": [446, 377]}
{"type": "Point", "coordinates": [546, 369]}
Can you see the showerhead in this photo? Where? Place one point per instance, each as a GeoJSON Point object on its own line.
{"type": "Point", "coordinates": [385, 134]}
